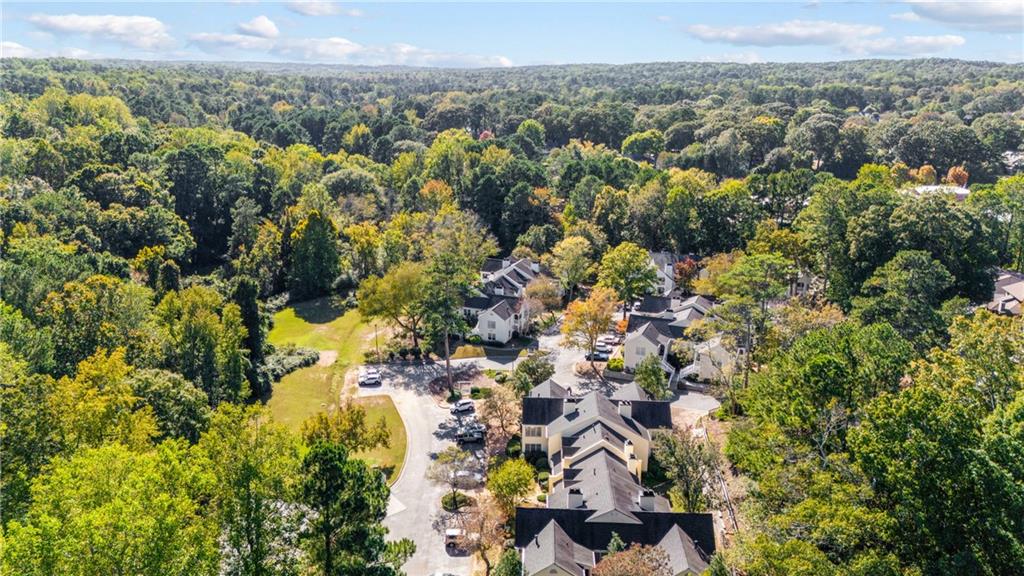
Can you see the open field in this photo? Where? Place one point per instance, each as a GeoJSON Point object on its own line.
{"type": "Point", "coordinates": [320, 325]}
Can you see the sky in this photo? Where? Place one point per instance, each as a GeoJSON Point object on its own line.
{"type": "Point", "coordinates": [496, 34]}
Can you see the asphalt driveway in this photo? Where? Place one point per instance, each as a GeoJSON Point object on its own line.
{"type": "Point", "coordinates": [414, 510]}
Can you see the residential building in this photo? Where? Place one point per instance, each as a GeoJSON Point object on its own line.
{"type": "Point", "coordinates": [598, 449]}
{"type": "Point", "coordinates": [711, 362]}
{"type": "Point", "coordinates": [1008, 296]}
{"type": "Point", "coordinates": [655, 322]}
{"type": "Point", "coordinates": [498, 311]}
{"type": "Point", "coordinates": [665, 265]}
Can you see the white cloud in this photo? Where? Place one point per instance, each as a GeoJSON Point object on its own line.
{"type": "Point", "coordinates": [998, 16]}
{"type": "Point", "coordinates": [144, 32]}
{"type": "Point", "coordinates": [320, 8]}
{"type": "Point", "coordinates": [905, 46]}
{"type": "Point", "coordinates": [791, 33]}
{"type": "Point", "coordinates": [663, 18]}
{"type": "Point", "coordinates": [10, 49]}
{"type": "Point", "coordinates": [343, 51]}
{"type": "Point", "coordinates": [812, 5]}
{"type": "Point", "coordinates": [259, 26]}
{"type": "Point", "coordinates": [906, 16]}
{"type": "Point", "coordinates": [216, 42]}
{"type": "Point", "coordinates": [14, 50]}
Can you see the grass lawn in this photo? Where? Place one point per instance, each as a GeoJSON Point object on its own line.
{"type": "Point", "coordinates": [389, 459]}
{"type": "Point", "coordinates": [320, 325]}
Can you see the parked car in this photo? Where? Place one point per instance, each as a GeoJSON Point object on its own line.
{"type": "Point", "coordinates": [598, 356]}
{"type": "Point", "coordinates": [370, 376]}
{"type": "Point", "coordinates": [462, 407]}
{"type": "Point", "coordinates": [470, 434]}
{"type": "Point", "coordinates": [468, 479]}
{"type": "Point", "coordinates": [603, 348]}
{"type": "Point", "coordinates": [610, 339]}
{"type": "Point", "coordinates": [452, 536]}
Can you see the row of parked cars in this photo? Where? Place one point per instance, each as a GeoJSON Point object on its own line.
{"type": "Point", "coordinates": [469, 430]}
{"type": "Point", "coordinates": [603, 349]}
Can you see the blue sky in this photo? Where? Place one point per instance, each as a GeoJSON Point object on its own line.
{"type": "Point", "coordinates": [474, 34]}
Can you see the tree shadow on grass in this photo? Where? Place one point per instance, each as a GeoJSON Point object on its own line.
{"type": "Point", "coordinates": [319, 311]}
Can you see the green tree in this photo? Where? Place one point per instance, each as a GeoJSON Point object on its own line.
{"type": "Point", "coordinates": [510, 482]}
{"type": "Point", "coordinates": [246, 296]}
{"type": "Point", "coordinates": [628, 270]}
{"type": "Point", "coordinates": [112, 510]}
{"type": "Point", "coordinates": [398, 297]}
{"type": "Point", "coordinates": [529, 372]}
{"type": "Point", "coordinates": [99, 312]}
{"type": "Point", "coordinates": [691, 465]}
{"type": "Point", "coordinates": [256, 464]}
{"type": "Point", "coordinates": [447, 463]}
{"type": "Point", "coordinates": [203, 345]}
{"type": "Point", "coordinates": [508, 565]}
{"type": "Point", "coordinates": [449, 277]}
{"type": "Point", "coordinates": [646, 145]}
{"type": "Point", "coordinates": [181, 410]}
{"type": "Point", "coordinates": [347, 501]}
{"type": "Point", "coordinates": [650, 376]}
{"type": "Point", "coordinates": [572, 263]}
{"type": "Point", "coordinates": [906, 293]}
{"type": "Point", "coordinates": [314, 257]}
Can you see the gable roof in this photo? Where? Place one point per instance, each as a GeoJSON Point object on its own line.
{"type": "Point", "coordinates": [549, 389]}
{"type": "Point", "coordinates": [682, 554]}
{"type": "Point", "coordinates": [655, 330]}
{"type": "Point", "coordinates": [594, 406]}
{"type": "Point", "coordinates": [662, 259]}
{"type": "Point", "coordinates": [541, 411]}
{"type": "Point", "coordinates": [650, 531]}
{"type": "Point", "coordinates": [553, 547]}
{"type": "Point", "coordinates": [630, 391]}
{"type": "Point", "coordinates": [652, 414]}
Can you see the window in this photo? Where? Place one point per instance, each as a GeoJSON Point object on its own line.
{"type": "Point", "coordinates": [490, 335]}
{"type": "Point", "coordinates": [640, 351]}
{"type": "Point", "coordinates": [490, 324]}
{"type": "Point", "coordinates": [534, 430]}
{"type": "Point", "coordinates": [532, 448]}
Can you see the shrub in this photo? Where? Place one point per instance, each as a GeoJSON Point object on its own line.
{"type": "Point", "coordinates": [501, 377]}
{"type": "Point", "coordinates": [454, 397]}
{"type": "Point", "coordinates": [452, 502]}
{"type": "Point", "coordinates": [616, 365]}
{"type": "Point", "coordinates": [475, 340]}
{"type": "Point", "coordinates": [542, 497]}
{"type": "Point", "coordinates": [514, 448]}
{"type": "Point", "coordinates": [287, 359]}
{"type": "Point", "coordinates": [542, 478]}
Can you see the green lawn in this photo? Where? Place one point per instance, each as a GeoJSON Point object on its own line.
{"type": "Point", "coordinates": [315, 324]}
{"type": "Point", "coordinates": [389, 459]}
{"type": "Point", "coordinates": [321, 325]}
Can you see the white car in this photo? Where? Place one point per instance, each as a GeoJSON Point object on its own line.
{"type": "Point", "coordinates": [463, 406]}
{"type": "Point", "coordinates": [603, 347]}
{"type": "Point", "coordinates": [369, 376]}
{"type": "Point", "coordinates": [468, 479]}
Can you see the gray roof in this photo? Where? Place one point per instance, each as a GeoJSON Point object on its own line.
{"type": "Point", "coordinates": [607, 486]}
{"type": "Point", "coordinates": [549, 389]}
{"type": "Point", "coordinates": [664, 327]}
{"type": "Point", "coordinates": [503, 309]}
{"type": "Point", "coordinates": [682, 553]}
{"type": "Point", "coordinates": [596, 535]}
{"type": "Point", "coordinates": [662, 259]}
{"type": "Point", "coordinates": [552, 546]}
{"type": "Point", "coordinates": [595, 405]}
{"type": "Point", "coordinates": [631, 391]}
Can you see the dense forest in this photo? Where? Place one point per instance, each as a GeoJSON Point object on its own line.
{"type": "Point", "coordinates": [153, 215]}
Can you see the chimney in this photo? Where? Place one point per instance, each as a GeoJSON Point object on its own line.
{"type": "Point", "coordinates": [628, 446]}
{"type": "Point", "coordinates": [626, 409]}
{"type": "Point", "coordinates": [569, 406]}
{"type": "Point", "coordinates": [646, 500]}
{"type": "Point", "coordinates": [505, 262]}
{"type": "Point", "coordinates": [534, 266]}
{"type": "Point", "coordinates": [575, 498]}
